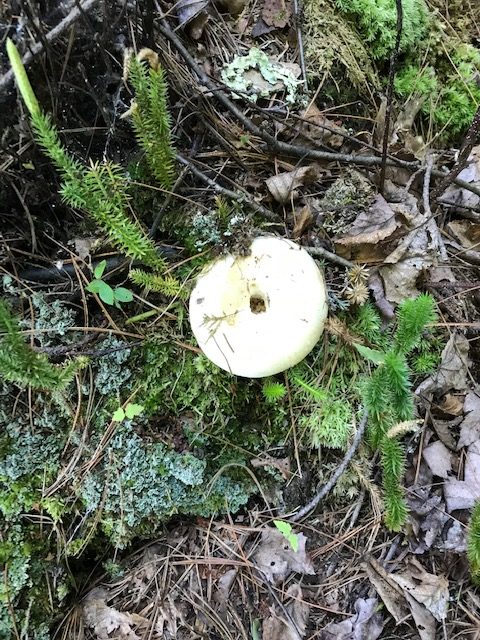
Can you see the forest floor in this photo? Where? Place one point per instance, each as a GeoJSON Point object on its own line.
{"type": "Point", "coordinates": [139, 502]}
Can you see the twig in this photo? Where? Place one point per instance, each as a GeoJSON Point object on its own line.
{"type": "Point", "coordinates": [391, 78]}
{"type": "Point", "coordinates": [52, 35]}
{"type": "Point", "coordinates": [470, 140]}
{"type": "Point", "coordinates": [333, 480]}
{"type": "Point", "coordinates": [275, 145]}
{"type": "Point", "coordinates": [297, 12]}
{"type": "Point", "coordinates": [319, 252]}
{"type": "Point", "coordinates": [240, 197]}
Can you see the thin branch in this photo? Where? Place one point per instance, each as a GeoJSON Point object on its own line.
{"type": "Point", "coordinates": [473, 134]}
{"type": "Point", "coordinates": [7, 79]}
{"type": "Point", "coordinates": [391, 78]}
{"type": "Point", "coordinates": [313, 504]}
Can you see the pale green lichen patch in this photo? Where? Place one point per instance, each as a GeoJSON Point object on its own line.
{"type": "Point", "coordinates": [260, 76]}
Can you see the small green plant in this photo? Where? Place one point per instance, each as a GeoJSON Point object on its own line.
{"type": "Point", "coordinates": [273, 391]}
{"type": "Point", "coordinates": [19, 363]}
{"type": "Point", "coordinates": [387, 397]}
{"type": "Point", "coordinates": [130, 411]}
{"type": "Point", "coordinates": [106, 293]}
{"type": "Point", "coordinates": [101, 190]}
{"type": "Point", "coordinates": [473, 543]}
{"type": "Point", "coordinates": [286, 530]}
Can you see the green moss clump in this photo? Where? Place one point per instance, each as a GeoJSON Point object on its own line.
{"type": "Point", "coordinates": [376, 21]}
{"type": "Point", "coordinates": [449, 91]}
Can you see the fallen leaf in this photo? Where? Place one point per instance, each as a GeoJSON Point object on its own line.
{"type": "Point", "coordinates": [439, 459]}
{"type": "Point", "coordinates": [444, 430]}
{"type": "Point", "coordinates": [292, 627]}
{"type": "Point", "coordinates": [427, 518]}
{"type": "Point", "coordinates": [387, 589]}
{"type": "Point", "coordinates": [189, 9]}
{"type": "Point", "coordinates": [282, 185]}
{"type": "Point", "coordinates": [303, 220]}
{"type": "Point", "coordinates": [371, 226]}
{"type": "Point", "coordinates": [470, 426]}
{"type": "Point", "coordinates": [375, 285]}
{"type": "Point", "coordinates": [452, 404]}
{"type": "Point", "coordinates": [104, 619]}
{"type": "Point", "coordinates": [462, 494]}
{"type": "Point", "coordinates": [466, 232]}
{"type": "Point", "coordinates": [455, 538]}
{"type": "Point", "coordinates": [276, 559]}
{"type": "Point", "coordinates": [224, 584]}
{"type": "Point", "coordinates": [282, 464]}
{"type": "Point", "coordinates": [471, 174]}
{"type": "Point", "coordinates": [316, 126]}
{"type": "Point", "coordinates": [452, 372]}
{"type": "Point", "coordinates": [366, 624]}
{"type": "Point", "coordinates": [428, 589]}
{"type": "Point", "coordinates": [276, 13]}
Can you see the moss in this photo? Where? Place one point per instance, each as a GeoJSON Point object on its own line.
{"type": "Point", "coordinates": [376, 21]}
{"type": "Point", "coordinates": [449, 88]}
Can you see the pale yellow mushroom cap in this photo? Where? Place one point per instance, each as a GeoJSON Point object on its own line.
{"type": "Point", "coordinates": [257, 315]}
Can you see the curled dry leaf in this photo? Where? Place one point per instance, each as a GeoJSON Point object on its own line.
{"type": "Point", "coordinates": [453, 370]}
{"type": "Point", "coordinates": [470, 426]}
{"type": "Point", "coordinates": [467, 233]}
{"type": "Point", "coordinates": [276, 559]}
{"type": "Point", "coordinates": [293, 626]}
{"type": "Point", "coordinates": [452, 404]}
{"type": "Point", "coordinates": [371, 226]}
{"type": "Point", "coordinates": [438, 459]}
{"type": "Point", "coordinates": [316, 126]}
{"type": "Point", "coordinates": [282, 464]}
{"type": "Point", "coordinates": [471, 174]}
{"type": "Point", "coordinates": [187, 10]}
{"type": "Point", "coordinates": [104, 619]}
{"type": "Point", "coordinates": [462, 494]}
{"type": "Point", "coordinates": [303, 220]}
{"type": "Point", "coordinates": [366, 624]}
{"type": "Point", "coordinates": [283, 185]}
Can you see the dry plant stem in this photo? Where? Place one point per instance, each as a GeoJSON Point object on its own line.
{"type": "Point", "coordinates": [318, 252]}
{"type": "Point", "coordinates": [473, 134]}
{"type": "Point", "coordinates": [391, 78]}
{"type": "Point", "coordinates": [313, 504]}
{"type": "Point", "coordinates": [240, 197]}
{"type": "Point", "coordinates": [63, 25]}
{"type": "Point", "coordinates": [297, 12]}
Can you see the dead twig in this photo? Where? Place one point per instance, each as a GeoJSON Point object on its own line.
{"type": "Point", "coordinates": [391, 78]}
{"type": "Point", "coordinates": [470, 140]}
{"type": "Point", "coordinates": [53, 34]}
{"type": "Point", "coordinates": [319, 252]}
{"type": "Point", "coordinates": [313, 504]}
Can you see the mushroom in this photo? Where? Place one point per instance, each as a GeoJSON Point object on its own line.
{"type": "Point", "coordinates": [260, 314]}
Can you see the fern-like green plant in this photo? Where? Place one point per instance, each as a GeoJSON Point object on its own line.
{"type": "Point", "coordinates": [273, 391]}
{"type": "Point", "coordinates": [473, 543]}
{"type": "Point", "coordinates": [387, 397]}
{"type": "Point", "coordinates": [165, 284]}
{"type": "Point", "coordinates": [151, 118]}
{"type": "Point", "coordinates": [101, 190]}
{"type": "Point", "coordinates": [20, 364]}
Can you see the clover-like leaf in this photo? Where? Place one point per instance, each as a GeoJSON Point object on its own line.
{"type": "Point", "coordinates": [123, 295]}
{"type": "Point", "coordinates": [132, 410]}
{"type": "Point", "coordinates": [118, 415]}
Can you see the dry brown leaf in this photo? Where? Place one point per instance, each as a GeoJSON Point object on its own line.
{"type": "Point", "coordinates": [282, 464]}
{"type": "Point", "coordinates": [471, 174]}
{"type": "Point", "coordinates": [452, 404]}
{"type": "Point", "coordinates": [462, 494]}
{"type": "Point", "coordinates": [466, 232]}
{"type": "Point", "coordinates": [276, 559]}
{"type": "Point", "coordinates": [453, 370]}
{"type": "Point", "coordinates": [293, 626]}
{"type": "Point", "coordinates": [283, 185]}
{"type": "Point", "coordinates": [303, 220]}
{"type": "Point", "coordinates": [387, 589]}
{"type": "Point", "coordinates": [104, 619]}
{"type": "Point", "coordinates": [470, 427]}
{"type": "Point", "coordinates": [366, 624]}
{"type": "Point", "coordinates": [438, 459]}
{"type": "Point", "coordinates": [375, 285]}
{"type": "Point", "coordinates": [187, 10]}
{"type": "Point", "coordinates": [313, 127]}
{"type": "Point", "coordinates": [371, 226]}
{"type": "Point", "coordinates": [276, 13]}
{"type": "Point", "coordinates": [428, 589]}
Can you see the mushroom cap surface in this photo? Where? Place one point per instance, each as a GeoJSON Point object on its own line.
{"type": "Point", "coordinates": [260, 314]}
